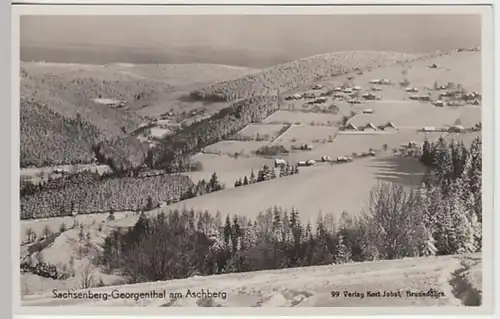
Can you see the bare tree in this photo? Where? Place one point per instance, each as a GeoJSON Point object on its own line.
{"type": "Point", "coordinates": [46, 232]}
{"type": "Point", "coordinates": [87, 277]}
{"type": "Point", "coordinates": [29, 234]}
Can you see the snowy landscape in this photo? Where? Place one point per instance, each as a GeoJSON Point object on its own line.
{"type": "Point", "coordinates": [347, 177]}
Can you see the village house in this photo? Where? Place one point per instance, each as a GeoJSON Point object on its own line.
{"type": "Point", "coordinates": [429, 129]}
{"type": "Point", "coordinates": [439, 103]}
{"type": "Point", "coordinates": [369, 127]}
{"type": "Point", "coordinates": [369, 96]}
{"type": "Point", "coordinates": [368, 111]}
{"type": "Point", "coordinates": [351, 127]}
{"type": "Point", "coordinates": [388, 126]}
{"type": "Point", "coordinates": [456, 129]}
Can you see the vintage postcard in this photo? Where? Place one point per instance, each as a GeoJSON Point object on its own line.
{"type": "Point", "coordinates": [254, 157]}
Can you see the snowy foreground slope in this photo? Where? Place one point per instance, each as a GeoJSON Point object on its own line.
{"type": "Point", "coordinates": [448, 281]}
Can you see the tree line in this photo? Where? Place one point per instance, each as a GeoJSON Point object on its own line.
{"type": "Point", "coordinates": [267, 173]}
{"type": "Point", "coordinates": [88, 192]}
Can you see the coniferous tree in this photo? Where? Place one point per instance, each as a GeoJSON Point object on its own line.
{"type": "Point", "coordinates": [342, 252]}
{"type": "Point", "coordinates": [227, 232]}
{"type": "Point", "coordinates": [149, 204]}
{"type": "Point", "coordinates": [323, 254]}
{"type": "Point", "coordinates": [236, 233]}
{"type": "Point", "coordinates": [252, 177]}
{"type": "Point", "coordinates": [214, 184]}
{"type": "Point", "coordinates": [238, 183]}
{"type": "Point", "coordinates": [245, 181]}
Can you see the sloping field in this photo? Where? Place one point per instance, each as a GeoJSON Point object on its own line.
{"type": "Point", "coordinates": [327, 188]}
{"type": "Point", "coordinates": [410, 114]}
{"type": "Point", "coordinates": [305, 118]}
{"type": "Point", "coordinates": [180, 75]}
{"type": "Point", "coordinates": [470, 116]}
{"type": "Point", "coordinates": [298, 134]}
{"type": "Point", "coordinates": [255, 131]}
{"type": "Point", "coordinates": [455, 279]}
{"type": "Point", "coordinates": [228, 169]}
{"type": "Point", "coordinates": [231, 147]}
{"type": "Point", "coordinates": [290, 75]}
{"type": "Point", "coordinates": [89, 220]}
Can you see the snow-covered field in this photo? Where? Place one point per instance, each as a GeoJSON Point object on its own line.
{"type": "Point", "coordinates": [427, 281]}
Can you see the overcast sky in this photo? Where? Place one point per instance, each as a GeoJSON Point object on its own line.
{"type": "Point", "coordinates": [244, 40]}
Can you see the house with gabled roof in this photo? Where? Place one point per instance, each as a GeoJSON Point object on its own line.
{"type": "Point", "coordinates": [390, 125]}
{"type": "Point", "coordinates": [369, 127]}
{"type": "Point", "coordinates": [351, 127]}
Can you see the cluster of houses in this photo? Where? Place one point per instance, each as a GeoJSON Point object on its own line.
{"type": "Point", "coordinates": [319, 100]}
{"type": "Point", "coordinates": [452, 129]}
{"type": "Point", "coordinates": [370, 127]}
{"type": "Point", "coordinates": [458, 98]}
{"type": "Point", "coordinates": [421, 98]}
{"type": "Point", "coordinates": [450, 95]}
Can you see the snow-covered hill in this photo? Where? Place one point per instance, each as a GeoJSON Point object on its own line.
{"type": "Point", "coordinates": [428, 281]}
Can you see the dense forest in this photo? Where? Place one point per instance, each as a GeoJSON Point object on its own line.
{"type": "Point", "coordinates": [103, 195]}
{"type": "Point", "coordinates": [442, 216]}
{"type": "Point", "coordinates": [49, 139]}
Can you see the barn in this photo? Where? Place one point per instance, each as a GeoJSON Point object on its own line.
{"type": "Point", "coordinates": [368, 111]}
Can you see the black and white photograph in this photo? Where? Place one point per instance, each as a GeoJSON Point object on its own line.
{"type": "Point", "coordinates": [292, 160]}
